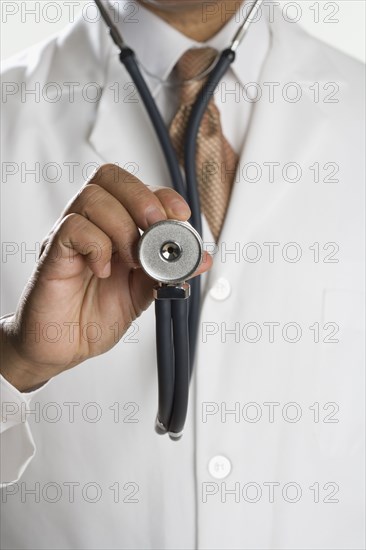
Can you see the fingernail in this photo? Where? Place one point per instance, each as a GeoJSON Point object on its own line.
{"type": "Point", "coordinates": [154, 215]}
{"type": "Point", "coordinates": [107, 270]}
{"type": "Point", "coordinates": [180, 209]}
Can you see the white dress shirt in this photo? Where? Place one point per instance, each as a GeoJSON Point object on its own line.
{"type": "Point", "coordinates": [272, 454]}
{"type": "Point", "coordinates": [232, 97]}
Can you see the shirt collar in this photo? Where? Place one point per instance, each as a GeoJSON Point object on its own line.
{"type": "Point", "coordinates": [158, 46]}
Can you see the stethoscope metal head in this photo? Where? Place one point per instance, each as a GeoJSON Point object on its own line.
{"type": "Point", "coordinates": [170, 251]}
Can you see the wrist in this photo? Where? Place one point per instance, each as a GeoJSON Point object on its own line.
{"type": "Point", "coordinates": [13, 367]}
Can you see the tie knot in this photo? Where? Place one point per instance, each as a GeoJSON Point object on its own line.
{"type": "Point", "coordinates": [191, 65]}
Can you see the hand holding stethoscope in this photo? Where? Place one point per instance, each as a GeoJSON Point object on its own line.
{"type": "Point", "coordinates": [171, 251]}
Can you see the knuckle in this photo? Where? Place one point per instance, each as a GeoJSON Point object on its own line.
{"type": "Point", "coordinates": [128, 229]}
{"type": "Point", "coordinates": [72, 222]}
{"type": "Point", "coordinates": [107, 168]}
{"type": "Point", "coordinates": [142, 195]}
{"type": "Point", "coordinates": [86, 200]}
{"type": "Point", "coordinates": [103, 173]}
{"type": "Point", "coordinates": [98, 249]}
{"type": "Point", "coordinates": [78, 200]}
{"type": "Point", "coordinates": [90, 195]}
{"type": "Point", "coordinates": [106, 247]}
{"type": "Point", "coordinates": [107, 172]}
{"type": "Point", "coordinates": [112, 173]}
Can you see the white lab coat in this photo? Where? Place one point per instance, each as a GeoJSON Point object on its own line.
{"type": "Point", "coordinates": [292, 451]}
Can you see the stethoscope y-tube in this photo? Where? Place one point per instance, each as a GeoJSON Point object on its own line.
{"type": "Point", "coordinates": [176, 351]}
{"type": "Point", "coordinates": [172, 349]}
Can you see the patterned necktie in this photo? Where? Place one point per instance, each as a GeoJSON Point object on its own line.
{"type": "Point", "coordinates": [216, 161]}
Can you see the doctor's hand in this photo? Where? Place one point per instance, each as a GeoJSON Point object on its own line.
{"type": "Point", "coordinates": [87, 287]}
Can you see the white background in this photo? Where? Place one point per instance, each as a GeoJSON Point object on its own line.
{"type": "Point", "coordinates": [340, 23]}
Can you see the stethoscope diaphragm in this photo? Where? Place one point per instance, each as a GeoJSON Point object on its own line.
{"type": "Point", "coordinates": [170, 251]}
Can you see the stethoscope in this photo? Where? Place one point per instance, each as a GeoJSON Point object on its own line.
{"type": "Point", "coordinates": [171, 251]}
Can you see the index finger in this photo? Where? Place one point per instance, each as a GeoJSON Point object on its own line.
{"type": "Point", "coordinates": [145, 206]}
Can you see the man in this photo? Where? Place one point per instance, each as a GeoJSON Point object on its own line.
{"type": "Point", "coordinates": [272, 451]}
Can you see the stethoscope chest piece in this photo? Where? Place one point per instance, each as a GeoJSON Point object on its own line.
{"type": "Point", "coordinates": [170, 251]}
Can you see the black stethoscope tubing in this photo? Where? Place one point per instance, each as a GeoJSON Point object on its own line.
{"type": "Point", "coordinates": [172, 349]}
{"type": "Point", "coordinates": [173, 384]}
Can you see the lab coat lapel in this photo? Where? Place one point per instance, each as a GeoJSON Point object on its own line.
{"type": "Point", "coordinates": [280, 131]}
{"type": "Point", "coordinates": [122, 132]}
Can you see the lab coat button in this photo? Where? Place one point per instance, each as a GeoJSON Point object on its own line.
{"type": "Point", "coordinates": [221, 289]}
{"type": "Point", "coordinates": [219, 467]}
